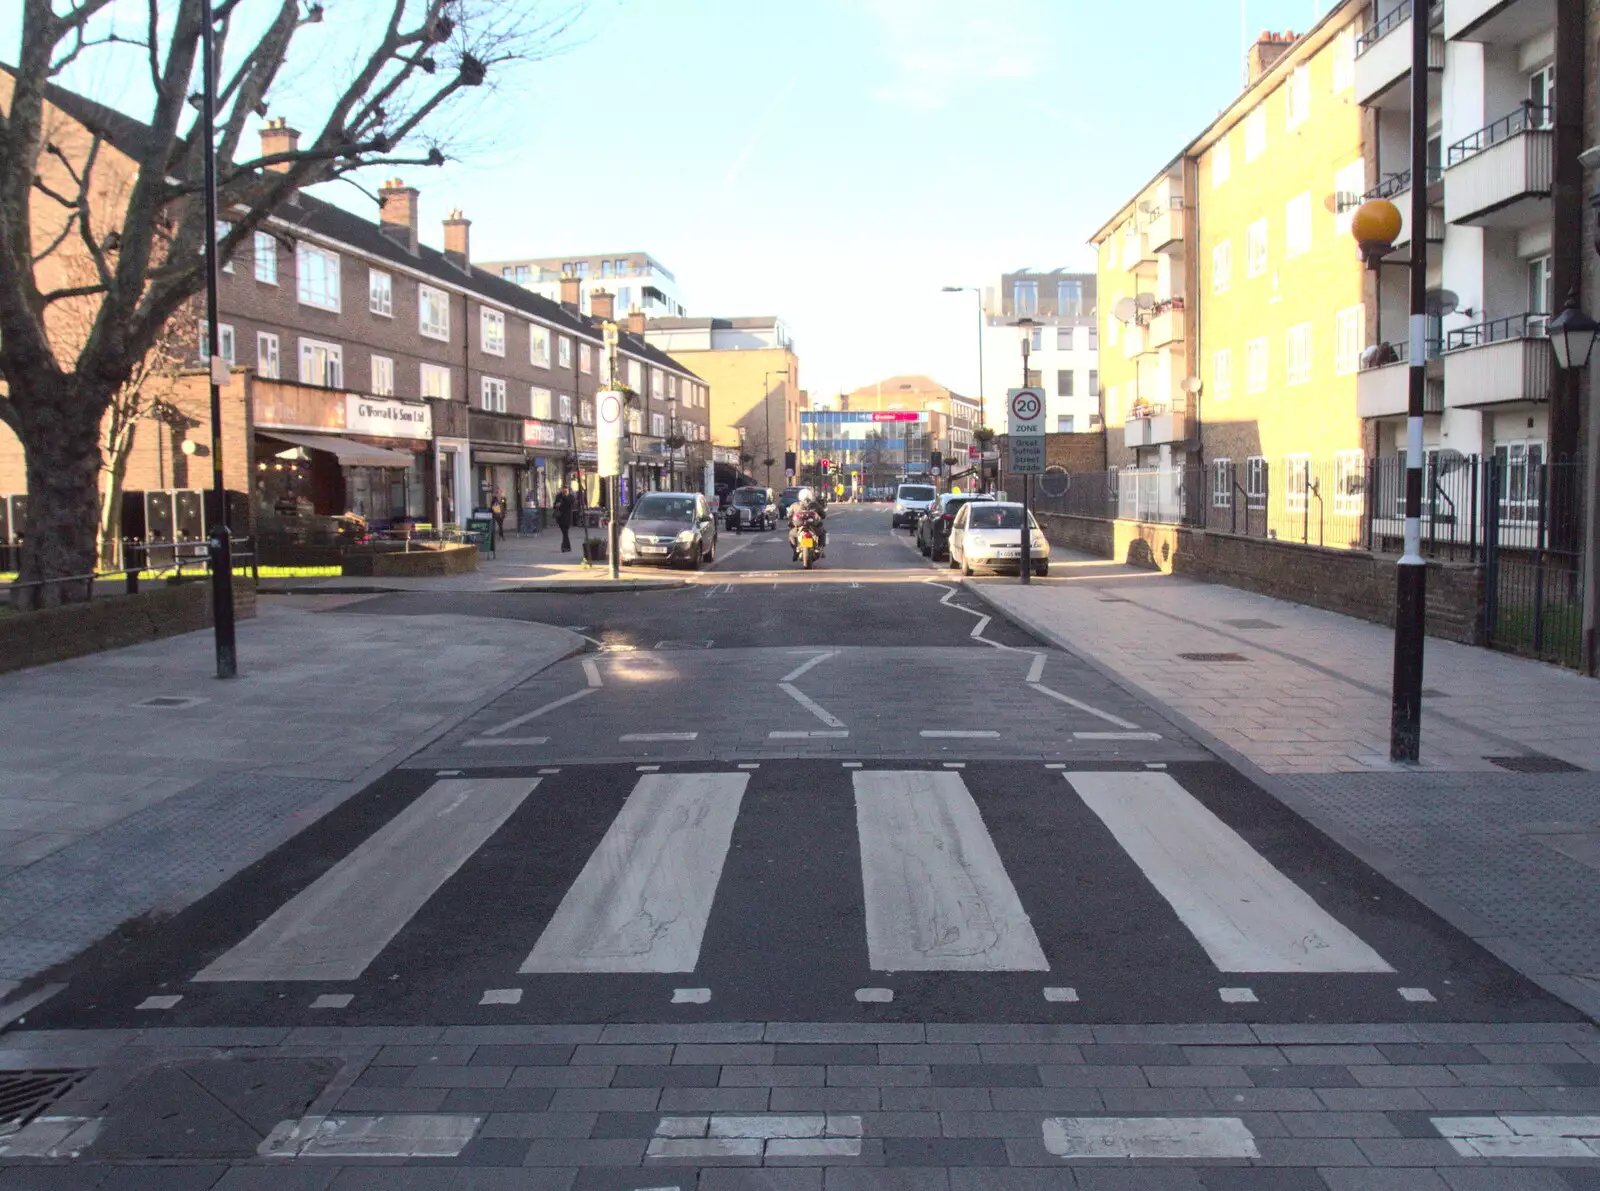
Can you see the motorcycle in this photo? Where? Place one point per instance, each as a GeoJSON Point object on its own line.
{"type": "Point", "coordinates": [807, 546]}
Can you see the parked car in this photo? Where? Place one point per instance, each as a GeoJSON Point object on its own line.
{"type": "Point", "coordinates": [669, 527]}
{"type": "Point", "coordinates": [933, 531]}
{"type": "Point", "coordinates": [987, 535]}
{"type": "Point", "coordinates": [751, 508]}
{"type": "Point", "coordinates": [910, 502]}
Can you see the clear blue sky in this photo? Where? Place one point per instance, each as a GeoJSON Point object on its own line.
{"type": "Point", "coordinates": [833, 162]}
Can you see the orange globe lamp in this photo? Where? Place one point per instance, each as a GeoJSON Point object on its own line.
{"type": "Point", "coordinates": [1376, 226]}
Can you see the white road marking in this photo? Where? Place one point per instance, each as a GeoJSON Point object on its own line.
{"type": "Point", "coordinates": [1082, 706]}
{"type": "Point", "coordinates": [333, 1001]}
{"type": "Point", "coordinates": [1237, 996]}
{"type": "Point", "coordinates": [690, 996]}
{"type": "Point", "coordinates": [1055, 765]}
{"type": "Point", "coordinates": [1060, 994]}
{"type": "Point", "coordinates": [955, 765]}
{"type": "Point", "coordinates": [806, 735]}
{"type": "Point", "coordinates": [820, 1147]}
{"type": "Point", "coordinates": [957, 734]}
{"type": "Point", "coordinates": [162, 1002]}
{"type": "Point", "coordinates": [1149, 1137]}
{"type": "Point", "coordinates": [645, 737]}
{"type": "Point", "coordinates": [538, 711]}
{"type": "Point", "coordinates": [1507, 1136]}
{"type": "Point", "coordinates": [682, 1126]}
{"type": "Point", "coordinates": [1417, 994]}
{"type": "Point", "coordinates": [852, 765]}
{"type": "Point", "coordinates": [448, 773]}
{"type": "Point", "coordinates": [1116, 736]}
{"type": "Point", "coordinates": [874, 996]}
{"type": "Point", "coordinates": [1247, 915]}
{"type": "Point", "coordinates": [811, 705]}
{"type": "Point", "coordinates": [1036, 671]}
{"type": "Point", "coordinates": [642, 901]}
{"type": "Point", "coordinates": [977, 629]}
{"type": "Point", "coordinates": [767, 1127]}
{"type": "Point", "coordinates": [408, 1135]}
{"type": "Point", "coordinates": [937, 895]}
{"type": "Point", "coordinates": [549, 771]}
{"type": "Point", "coordinates": [478, 742]}
{"type": "Point", "coordinates": [801, 669]}
{"type": "Point", "coordinates": [1155, 764]}
{"type": "Point", "coordinates": [749, 765]}
{"type": "Point", "coordinates": [501, 996]}
{"type": "Point", "coordinates": [703, 1147]}
{"type": "Point", "coordinates": [592, 672]}
{"type": "Point", "coordinates": [339, 923]}
{"type": "Point", "coordinates": [646, 768]}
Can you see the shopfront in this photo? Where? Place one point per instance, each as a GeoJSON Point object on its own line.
{"type": "Point", "coordinates": [500, 465]}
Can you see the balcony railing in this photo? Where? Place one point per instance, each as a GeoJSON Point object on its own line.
{"type": "Point", "coordinates": [1390, 22]}
{"type": "Point", "coordinates": [1531, 325]}
{"type": "Point", "coordinates": [1397, 183]}
{"type": "Point", "coordinates": [1530, 117]}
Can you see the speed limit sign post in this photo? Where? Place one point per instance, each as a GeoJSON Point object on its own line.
{"type": "Point", "coordinates": [1025, 443]}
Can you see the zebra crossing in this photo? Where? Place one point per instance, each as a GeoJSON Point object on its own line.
{"type": "Point", "coordinates": [809, 890]}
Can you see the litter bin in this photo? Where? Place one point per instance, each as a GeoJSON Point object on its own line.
{"type": "Point", "coordinates": [594, 549]}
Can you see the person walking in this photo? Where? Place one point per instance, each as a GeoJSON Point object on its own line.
{"type": "Point", "coordinates": [563, 511]}
{"type": "Point", "coordinates": [497, 509]}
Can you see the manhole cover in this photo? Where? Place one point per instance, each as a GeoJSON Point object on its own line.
{"type": "Point", "coordinates": [1251, 623]}
{"type": "Point", "coordinates": [1212, 657]}
{"type": "Point", "coordinates": [1535, 763]}
{"type": "Point", "coordinates": [25, 1094]}
{"type": "Point", "coordinates": [169, 702]}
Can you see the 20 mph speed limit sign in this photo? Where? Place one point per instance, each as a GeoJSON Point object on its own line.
{"type": "Point", "coordinates": [1025, 431]}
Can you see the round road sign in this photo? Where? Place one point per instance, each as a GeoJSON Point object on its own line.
{"type": "Point", "coordinates": [1026, 406]}
{"type": "Point", "coordinates": [610, 408]}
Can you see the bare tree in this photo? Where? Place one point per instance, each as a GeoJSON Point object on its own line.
{"type": "Point", "coordinates": [145, 249]}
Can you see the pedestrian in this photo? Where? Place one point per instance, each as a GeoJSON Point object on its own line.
{"type": "Point", "coordinates": [563, 511]}
{"type": "Point", "coordinates": [497, 509]}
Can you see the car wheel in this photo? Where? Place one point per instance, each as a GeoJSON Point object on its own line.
{"type": "Point", "coordinates": [711, 553]}
{"type": "Point", "coordinates": [952, 557]}
{"type": "Point", "coordinates": [1042, 570]}
{"type": "Point", "coordinates": [966, 568]}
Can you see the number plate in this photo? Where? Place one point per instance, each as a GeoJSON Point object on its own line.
{"type": "Point", "coordinates": [1009, 552]}
{"type": "Point", "coordinates": [652, 549]}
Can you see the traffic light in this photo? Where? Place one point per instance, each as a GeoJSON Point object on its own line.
{"type": "Point", "coordinates": [788, 463]}
{"type": "Point", "coordinates": [826, 465]}
{"type": "Point", "coordinates": [936, 463]}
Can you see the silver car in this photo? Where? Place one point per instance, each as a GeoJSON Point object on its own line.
{"type": "Point", "coordinates": [669, 527]}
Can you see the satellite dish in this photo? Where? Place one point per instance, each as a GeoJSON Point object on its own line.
{"type": "Point", "coordinates": [1146, 301]}
{"type": "Point", "coordinates": [1146, 207]}
{"type": "Point", "coordinates": [1125, 309]}
{"type": "Point", "coordinates": [1440, 302]}
{"type": "Point", "coordinates": [1331, 203]}
{"type": "Point", "coordinates": [1192, 385]}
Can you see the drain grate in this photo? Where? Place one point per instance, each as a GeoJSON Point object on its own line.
{"type": "Point", "coordinates": [1252, 623]}
{"type": "Point", "coordinates": [170, 702]}
{"type": "Point", "coordinates": [1535, 763]}
{"type": "Point", "coordinates": [25, 1094]}
{"type": "Point", "coordinates": [1213, 657]}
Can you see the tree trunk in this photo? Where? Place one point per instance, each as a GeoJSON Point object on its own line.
{"type": "Point", "coordinates": [111, 500]}
{"type": "Point", "coordinates": [60, 426]}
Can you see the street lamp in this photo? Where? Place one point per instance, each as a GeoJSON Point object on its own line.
{"type": "Point", "coordinates": [983, 408]}
{"type": "Point", "coordinates": [1025, 570]}
{"type": "Point", "coordinates": [766, 406]}
{"type": "Point", "coordinates": [1572, 335]}
{"type": "Point", "coordinates": [672, 444]}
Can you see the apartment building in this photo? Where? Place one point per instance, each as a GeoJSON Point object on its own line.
{"type": "Point", "coordinates": [1504, 230]}
{"type": "Point", "coordinates": [1063, 351]}
{"type": "Point", "coordinates": [893, 425]}
{"type": "Point", "coordinates": [636, 280]}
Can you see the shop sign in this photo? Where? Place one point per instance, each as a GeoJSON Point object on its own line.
{"type": "Point", "coordinates": [543, 434]}
{"type": "Point", "coordinates": [383, 418]}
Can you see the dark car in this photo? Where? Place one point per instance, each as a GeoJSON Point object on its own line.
{"type": "Point", "coordinates": [786, 500]}
{"type": "Point", "coordinates": [753, 507]}
{"type": "Point", "coordinates": [933, 531]}
{"type": "Point", "coordinates": [669, 527]}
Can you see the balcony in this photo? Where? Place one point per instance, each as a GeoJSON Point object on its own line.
{"type": "Point", "coordinates": [1504, 22]}
{"type": "Point", "coordinates": [1383, 386]}
{"type": "Point", "coordinates": [1166, 327]}
{"type": "Point", "coordinates": [1383, 59]}
{"type": "Point", "coordinates": [1155, 426]}
{"type": "Point", "coordinates": [1500, 176]}
{"type": "Point", "coordinates": [1132, 249]}
{"type": "Point", "coordinates": [1166, 229]}
{"type": "Point", "coordinates": [1135, 340]}
{"type": "Point", "coordinates": [1397, 189]}
{"type": "Point", "coordinates": [1498, 363]}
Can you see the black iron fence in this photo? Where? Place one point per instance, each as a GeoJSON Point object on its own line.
{"type": "Point", "coordinates": [1512, 511]}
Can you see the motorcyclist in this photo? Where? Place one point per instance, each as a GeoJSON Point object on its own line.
{"type": "Point", "coordinates": [807, 509]}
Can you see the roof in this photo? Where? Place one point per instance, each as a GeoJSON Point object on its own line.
{"type": "Point", "coordinates": [318, 216]}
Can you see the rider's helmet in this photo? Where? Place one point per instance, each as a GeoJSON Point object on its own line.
{"type": "Point", "coordinates": [806, 496]}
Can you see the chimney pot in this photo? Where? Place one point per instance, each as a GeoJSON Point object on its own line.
{"type": "Point", "coordinates": [457, 240]}
{"type": "Point", "coordinates": [1268, 49]}
{"type": "Point", "coordinates": [398, 213]}
{"type": "Point", "coordinates": [277, 137]}
{"type": "Point", "coordinates": [636, 322]}
{"type": "Point", "coordinates": [571, 291]}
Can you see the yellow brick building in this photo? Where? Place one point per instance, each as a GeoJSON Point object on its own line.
{"type": "Point", "coordinates": [1233, 316]}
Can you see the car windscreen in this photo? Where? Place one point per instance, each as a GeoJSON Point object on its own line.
{"type": "Point", "coordinates": [790, 493]}
{"type": "Point", "coordinates": [749, 498]}
{"type": "Point", "coordinates": [994, 517]}
{"type": "Point", "coordinates": [952, 504]}
{"type": "Point", "coordinates": [664, 508]}
{"type": "Point", "coordinates": [917, 492]}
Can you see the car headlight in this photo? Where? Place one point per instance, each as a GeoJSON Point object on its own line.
{"type": "Point", "coordinates": [686, 537]}
{"type": "Point", "coordinates": [626, 538]}
{"type": "Point", "coordinates": [976, 541]}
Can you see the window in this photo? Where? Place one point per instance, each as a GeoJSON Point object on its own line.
{"type": "Point", "coordinates": [1036, 339]}
{"type": "Point", "coordinates": [585, 358]}
{"type": "Point", "coordinates": [1064, 339]}
{"type": "Point", "coordinates": [1541, 290]}
{"type": "Point", "coordinates": [1221, 161]}
{"type": "Point", "coordinates": [523, 273]}
{"type": "Point", "coordinates": [1255, 134]}
{"type": "Point", "coordinates": [1222, 374]}
{"type": "Point", "coordinates": [586, 412]}
{"type": "Point", "coordinates": [658, 425]}
{"type": "Point", "coordinates": [321, 364]}
{"type": "Point", "coordinates": [1255, 365]}
{"type": "Point", "coordinates": [267, 355]}
{"type": "Point", "coordinates": [224, 226]}
{"type": "Point", "coordinates": [1221, 484]}
{"type": "Point", "coordinates": [1542, 96]}
{"type": "Point", "coordinates": [1349, 482]}
{"type": "Point", "coordinates": [1069, 298]}
{"type": "Point", "coordinates": [1255, 248]}
{"type": "Point", "coordinates": [564, 352]}
{"type": "Point", "coordinates": [380, 293]}
{"type": "Point", "coordinates": [1064, 423]}
{"type": "Point", "coordinates": [1297, 225]}
{"type": "Point", "coordinates": [635, 376]}
{"type": "Point", "coordinates": [541, 402]}
{"type": "Point", "coordinates": [1064, 382]}
{"type": "Point", "coordinates": [266, 258]}
{"type": "Point", "coordinates": [1094, 336]}
{"type": "Point", "coordinates": [492, 331]}
{"type": "Point", "coordinates": [1520, 465]}
{"type": "Point", "coordinates": [1255, 482]}
{"type": "Point", "coordinates": [318, 272]}
{"type": "Point", "coordinates": [1024, 297]}
{"type": "Point", "coordinates": [1299, 360]}
{"type": "Point", "coordinates": [1349, 335]}
{"type": "Point", "coordinates": [564, 406]}
{"type": "Point", "coordinates": [1221, 267]}
{"type": "Point", "coordinates": [1299, 483]}
{"type": "Point", "coordinates": [436, 381]}
{"type": "Point", "coordinates": [225, 335]}
{"type": "Point", "coordinates": [1344, 60]}
{"type": "Point", "coordinates": [433, 313]}
{"type": "Point", "coordinates": [605, 268]}
{"type": "Point", "coordinates": [492, 394]}
{"type": "Point", "coordinates": [655, 383]}
{"type": "Point", "coordinates": [1348, 186]}
{"type": "Point", "coordinates": [382, 376]}
{"type": "Point", "coordinates": [1094, 383]}
{"type": "Point", "coordinates": [538, 345]}
{"type": "Point", "coordinates": [1297, 97]}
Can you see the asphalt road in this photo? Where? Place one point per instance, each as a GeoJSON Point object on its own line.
{"type": "Point", "coordinates": [841, 795]}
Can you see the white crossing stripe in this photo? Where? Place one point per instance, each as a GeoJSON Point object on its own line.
{"type": "Point", "coordinates": [1247, 915]}
{"type": "Point", "coordinates": [807, 735]}
{"type": "Point", "coordinates": [1149, 1137]}
{"type": "Point", "coordinates": [642, 901]}
{"type": "Point", "coordinates": [338, 924]}
{"type": "Point", "coordinates": [494, 741]}
{"type": "Point", "coordinates": [647, 737]}
{"type": "Point", "coordinates": [1508, 1136]}
{"type": "Point", "coordinates": [957, 734]}
{"type": "Point", "coordinates": [937, 895]}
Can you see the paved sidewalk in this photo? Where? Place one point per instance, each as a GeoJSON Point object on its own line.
{"type": "Point", "coordinates": [112, 806]}
{"type": "Point", "coordinates": [1505, 852]}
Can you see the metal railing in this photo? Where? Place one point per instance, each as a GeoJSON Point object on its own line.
{"type": "Point", "coordinates": [1398, 183]}
{"type": "Point", "coordinates": [1382, 28]}
{"type": "Point", "coordinates": [189, 557]}
{"type": "Point", "coordinates": [1529, 325]}
{"type": "Point", "coordinates": [1529, 117]}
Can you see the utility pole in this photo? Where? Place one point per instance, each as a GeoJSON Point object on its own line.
{"type": "Point", "coordinates": [1411, 578]}
{"type": "Point", "coordinates": [220, 545]}
{"type": "Point", "coordinates": [613, 483]}
{"type": "Point", "coordinates": [1026, 567]}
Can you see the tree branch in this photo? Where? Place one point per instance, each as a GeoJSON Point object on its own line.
{"type": "Point", "coordinates": [41, 185]}
{"type": "Point", "coordinates": [61, 237]}
{"type": "Point", "coordinates": [75, 291]}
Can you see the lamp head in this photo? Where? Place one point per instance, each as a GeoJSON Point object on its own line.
{"type": "Point", "coordinates": [1376, 225]}
{"type": "Point", "coordinates": [1572, 335]}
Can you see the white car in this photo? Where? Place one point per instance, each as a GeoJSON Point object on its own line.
{"type": "Point", "coordinates": [910, 502]}
{"type": "Point", "coordinates": [988, 536]}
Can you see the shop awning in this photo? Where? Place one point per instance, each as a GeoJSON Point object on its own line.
{"type": "Point", "coordinates": [349, 452]}
{"type": "Point", "coordinates": [498, 457]}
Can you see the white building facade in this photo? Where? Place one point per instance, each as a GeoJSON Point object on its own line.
{"type": "Point", "coordinates": [1064, 350]}
{"type": "Point", "coordinates": [639, 281]}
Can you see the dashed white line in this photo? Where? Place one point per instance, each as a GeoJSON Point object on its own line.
{"type": "Point", "coordinates": [648, 737]}
{"type": "Point", "coordinates": [957, 734]}
{"type": "Point", "coordinates": [162, 1002]}
{"type": "Point", "coordinates": [874, 996]}
{"type": "Point", "coordinates": [1116, 736]}
{"type": "Point", "coordinates": [526, 741]}
{"type": "Point", "coordinates": [690, 996]}
{"type": "Point", "coordinates": [817, 735]}
{"type": "Point", "coordinates": [1149, 1137]}
{"type": "Point", "coordinates": [501, 996]}
{"type": "Point", "coordinates": [1060, 995]}
{"type": "Point", "coordinates": [592, 672]}
{"type": "Point", "coordinates": [1036, 671]}
{"type": "Point", "coordinates": [1417, 994]}
{"type": "Point", "coordinates": [1237, 996]}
